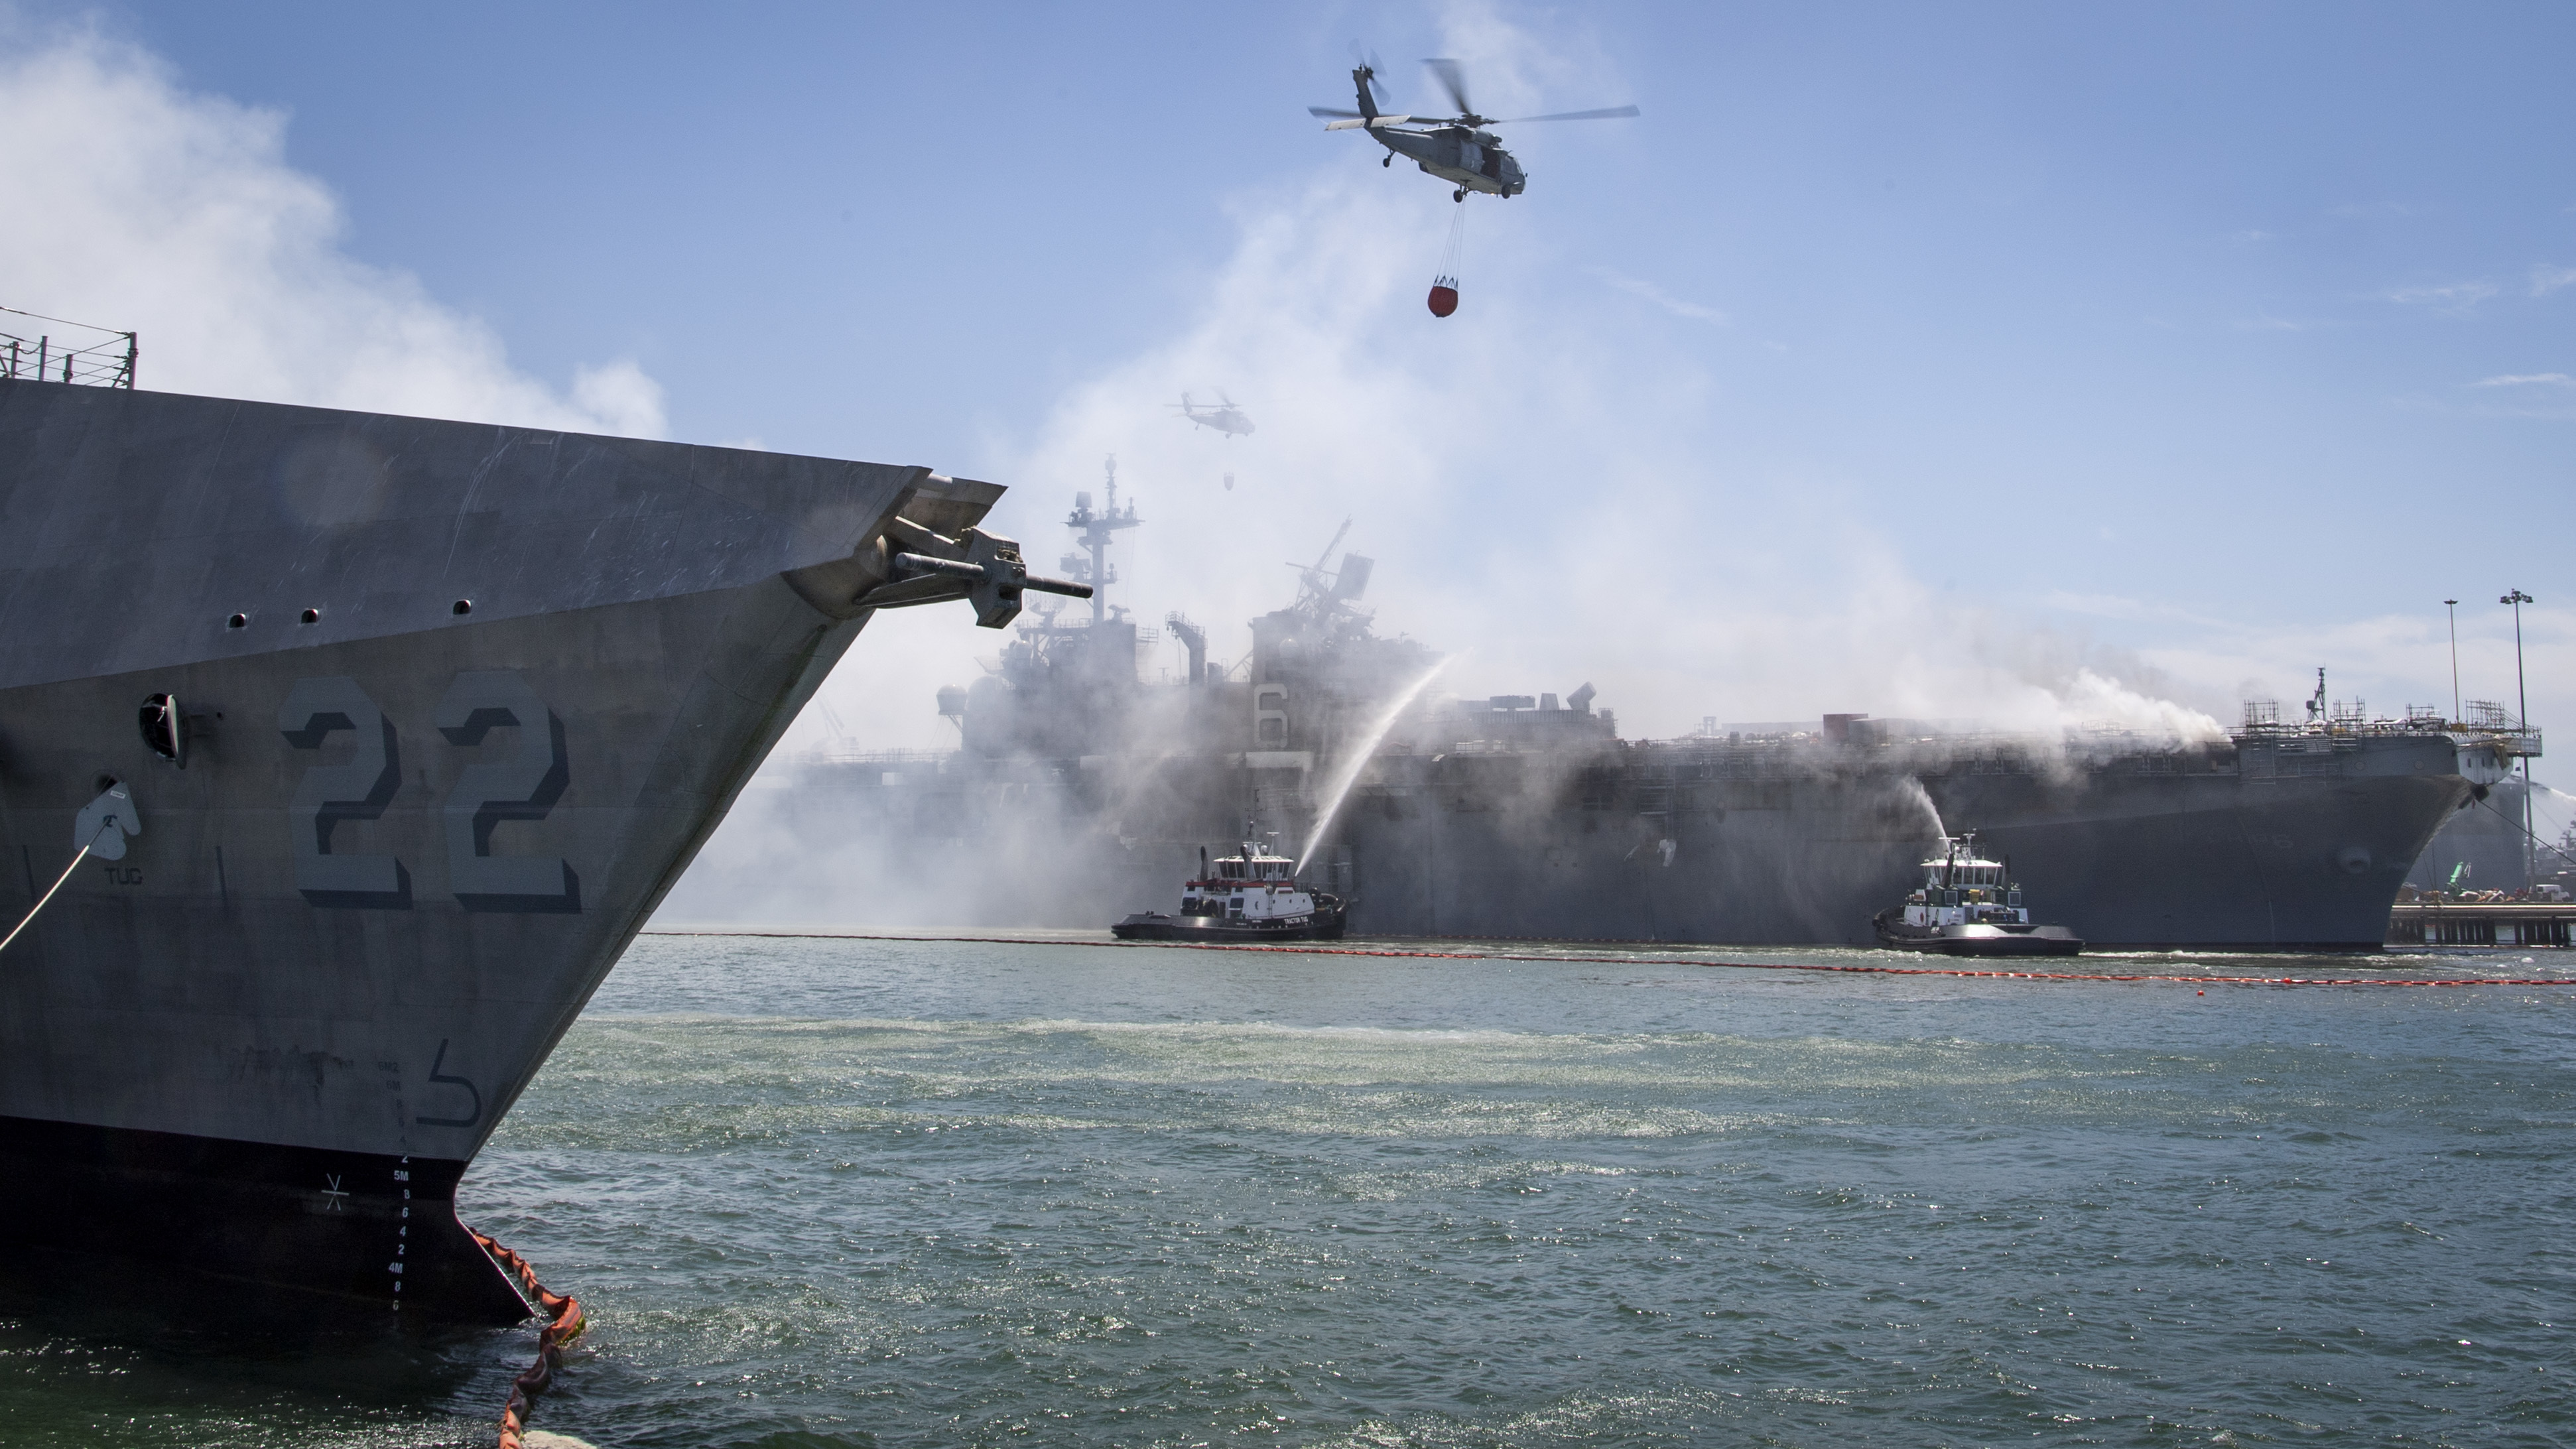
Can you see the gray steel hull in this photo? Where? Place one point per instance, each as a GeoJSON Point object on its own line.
{"type": "Point", "coordinates": [2123, 859]}
{"type": "Point", "coordinates": [1573, 846]}
{"type": "Point", "coordinates": [406, 844]}
{"type": "Point", "coordinates": [2305, 863]}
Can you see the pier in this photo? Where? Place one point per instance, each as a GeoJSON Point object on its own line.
{"type": "Point", "coordinates": [2481, 923]}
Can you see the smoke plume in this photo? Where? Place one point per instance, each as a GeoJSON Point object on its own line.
{"type": "Point", "coordinates": [138, 205]}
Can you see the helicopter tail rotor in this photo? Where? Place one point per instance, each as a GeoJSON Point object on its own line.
{"type": "Point", "coordinates": [1366, 61]}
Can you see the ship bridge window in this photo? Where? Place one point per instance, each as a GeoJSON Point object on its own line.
{"type": "Point", "coordinates": [1230, 870]}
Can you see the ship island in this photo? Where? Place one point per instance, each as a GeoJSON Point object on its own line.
{"type": "Point", "coordinates": [1093, 790]}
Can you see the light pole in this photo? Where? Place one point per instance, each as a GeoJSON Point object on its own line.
{"type": "Point", "coordinates": [2522, 727]}
{"type": "Point", "coordinates": [2454, 606]}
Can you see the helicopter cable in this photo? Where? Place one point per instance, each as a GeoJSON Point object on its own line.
{"type": "Point", "coordinates": [1444, 284]}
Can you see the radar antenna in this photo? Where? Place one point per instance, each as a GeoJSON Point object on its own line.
{"type": "Point", "coordinates": [1314, 577]}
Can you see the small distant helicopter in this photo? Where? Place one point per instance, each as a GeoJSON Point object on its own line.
{"type": "Point", "coordinates": [1221, 415]}
{"type": "Point", "coordinates": [1457, 149]}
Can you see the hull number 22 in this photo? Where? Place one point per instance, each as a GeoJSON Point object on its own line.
{"type": "Point", "coordinates": [518, 776]}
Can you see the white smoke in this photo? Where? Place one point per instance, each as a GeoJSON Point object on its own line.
{"type": "Point", "coordinates": [2093, 700]}
{"type": "Point", "coordinates": [137, 205]}
{"type": "Point", "coordinates": [1539, 481]}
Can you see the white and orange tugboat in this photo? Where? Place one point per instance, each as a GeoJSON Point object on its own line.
{"type": "Point", "coordinates": [1248, 896]}
{"type": "Point", "coordinates": [1970, 906]}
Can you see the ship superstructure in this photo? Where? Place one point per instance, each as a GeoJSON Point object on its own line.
{"type": "Point", "coordinates": [1091, 789]}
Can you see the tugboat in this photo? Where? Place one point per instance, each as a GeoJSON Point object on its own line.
{"type": "Point", "coordinates": [1969, 906]}
{"type": "Point", "coordinates": [1249, 896]}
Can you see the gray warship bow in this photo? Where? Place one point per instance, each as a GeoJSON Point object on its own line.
{"type": "Point", "coordinates": [431, 715]}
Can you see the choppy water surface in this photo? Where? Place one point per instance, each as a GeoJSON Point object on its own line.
{"type": "Point", "coordinates": [838, 1192]}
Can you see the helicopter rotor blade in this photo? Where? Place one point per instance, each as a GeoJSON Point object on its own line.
{"type": "Point", "coordinates": [1614, 113]}
{"type": "Point", "coordinates": [1454, 81]}
{"type": "Point", "coordinates": [1375, 67]}
{"type": "Point", "coordinates": [1367, 60]}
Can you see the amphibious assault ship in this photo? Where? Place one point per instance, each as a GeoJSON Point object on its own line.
{"type": "Point", "coordinates": [407, 725]}
{"type": "Point", "coordinates": [1527, 816]}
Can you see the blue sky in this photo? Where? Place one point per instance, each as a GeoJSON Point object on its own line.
{"type": "Point", "coordinates": [2020, 361]}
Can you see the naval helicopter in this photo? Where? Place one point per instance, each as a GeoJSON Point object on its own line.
{"type": "Point", "coordinates": [1457, 149]}
{"type": "Point", "coordinates": [1221, 415]}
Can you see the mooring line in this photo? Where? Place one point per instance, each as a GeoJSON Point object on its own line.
{"type": "Point", "coordinates": [1957, 971]}
{"type": "Point", "coordinates": [29, 919]}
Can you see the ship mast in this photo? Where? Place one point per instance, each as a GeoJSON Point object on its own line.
{"type": "Point", "coordinates": [1094, 532]}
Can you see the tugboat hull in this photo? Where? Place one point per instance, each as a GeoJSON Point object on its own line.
{"type": "Point", "coordinates": [1324, 923]}
{"type": "Point", "coordinates": [1979, 940]}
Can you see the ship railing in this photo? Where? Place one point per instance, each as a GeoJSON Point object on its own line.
{"type": "Point", "coordinates": [2517, 744]}
{"type": "Point", "coordinates": [49, 349]}
{"type": "Point", "coordinates": [2007, 752]}
{"type": "Point", "coordinates": [2413, 724]}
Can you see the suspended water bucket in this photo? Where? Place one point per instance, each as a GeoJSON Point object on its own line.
{"type": "Point", "coordinates": [1444, 283]}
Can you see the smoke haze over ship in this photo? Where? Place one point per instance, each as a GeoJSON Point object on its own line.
{"type": "Point", "coordinates": [1080, 793]}
{"type": "Point", "coordinates": [1604, 384]}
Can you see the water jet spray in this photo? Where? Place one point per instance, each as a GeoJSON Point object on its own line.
{"type": "Point", "coordinates": [1358, 758]}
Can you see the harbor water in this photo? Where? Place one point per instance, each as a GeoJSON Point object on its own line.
{"type": "Point", "coordinates": [842, 1192]}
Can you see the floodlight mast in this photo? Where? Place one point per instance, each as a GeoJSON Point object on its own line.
{"type": "Point", "coordinates": [2522, 718]}
{"type": "Point", "coordinates": [2454, 606]}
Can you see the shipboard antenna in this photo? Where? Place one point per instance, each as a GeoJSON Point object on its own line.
{"type": "Point", "coordinates": [1095, 532]}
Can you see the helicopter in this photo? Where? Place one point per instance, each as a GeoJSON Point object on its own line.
{"type": "Point", "coordinates": [1222, 415]}
{"type": "Point", "coordinates": [1457, 149]}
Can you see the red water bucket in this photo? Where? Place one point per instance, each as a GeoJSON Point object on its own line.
{"type": "Point", "coordinates": [1444, 299]}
